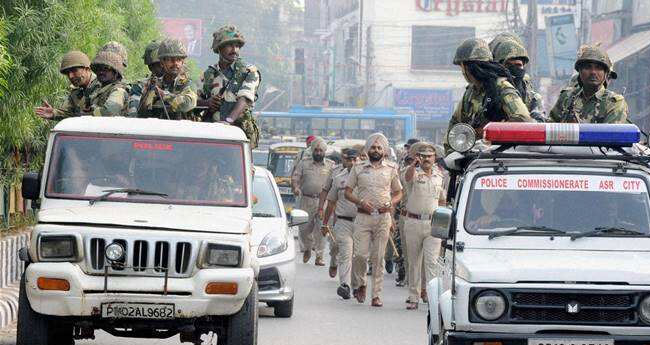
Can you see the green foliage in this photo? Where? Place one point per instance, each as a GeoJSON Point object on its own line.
{"type": "Point", "coordinates": [33, 37]}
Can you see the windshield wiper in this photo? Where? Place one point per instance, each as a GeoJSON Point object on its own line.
{"type": "Point", "coordinates": [128, 191]}
{"type": "Point", "coordinates": [263, 215]}
{"type": "Point", "coordinates": [607, 230]}
{"type": "Point", "coordinates": [525, 228]}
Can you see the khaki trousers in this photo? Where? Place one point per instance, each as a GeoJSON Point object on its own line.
{"type": "Point", "coordinates": [400, 226]}
{"type": "Point", "coordinates": [421, 247]}
{"type": "Point", "coordinates": [343, 231]}
{"type": "Point", "coordinates": [370, 238]}
{"type": "Point", "coordinates": [309, 233]}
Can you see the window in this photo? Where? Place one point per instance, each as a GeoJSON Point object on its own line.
{"type": "Point", "coordinates": [434, 46]}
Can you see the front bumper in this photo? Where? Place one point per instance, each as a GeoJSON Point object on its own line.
{"type": "Point", "coordinates": [86, 292]}
{"type": "Point", "coordinates": [277, 276]}
{"type": "Point", "coordinates": [469, 338]}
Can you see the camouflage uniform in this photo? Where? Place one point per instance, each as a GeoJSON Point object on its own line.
{"type": "Point", "coordinates": [178, 96]}
{"type": "Point", "coordinates": [78, 101]}
{"type": "Point", "coordinates": [238, 80]}
{"type": "Point", "coordinates": [109, 99]}
{"type": "Point", "coordinates": [604, 106]}
{"type": "Point", "coordinates": [150, 57]}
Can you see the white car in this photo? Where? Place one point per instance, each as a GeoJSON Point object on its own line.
{"type": "Point", "coordinates": [274, 244]}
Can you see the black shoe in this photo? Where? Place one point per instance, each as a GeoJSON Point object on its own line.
{"type": "Point", "coordinates": [369, 270]}
{"type": "Point", "coordinates": [400, 283]}
{"type": "Point", "coordinates": [343, 291]}
{"type": "Point", "coordinates": [389, 266]}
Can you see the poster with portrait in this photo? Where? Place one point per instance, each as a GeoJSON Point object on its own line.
{"type": "Point", "coordinates": [187, 30]}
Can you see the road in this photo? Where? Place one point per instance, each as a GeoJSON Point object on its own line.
{"type": "Point", "coordinates": [322, 318]}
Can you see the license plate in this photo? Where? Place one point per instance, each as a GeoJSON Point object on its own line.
{"type": "Point", "coordinates": [121, 310]}
{"type": "Point", "coordinates": [285, 190]}
{"type": "Point", "coordinates": [556, 341]}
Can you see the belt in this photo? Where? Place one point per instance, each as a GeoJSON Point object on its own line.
{"type": "Point", "coordinates": [311, 196]}
{"type": "Point", "coordinates": [419, 216]}
{"type": "Point", "coordinates": [349, 219]}
{"type": "Point", "coordinates": [360, 210]}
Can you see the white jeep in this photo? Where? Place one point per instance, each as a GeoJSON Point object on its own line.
{"type": "Point", "coordinates": [143, 231]}
{"type": "Point", "coordinates": [544, 244]}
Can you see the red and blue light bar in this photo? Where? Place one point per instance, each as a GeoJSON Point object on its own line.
{"type": "Point", "coordinates": [576, 134]}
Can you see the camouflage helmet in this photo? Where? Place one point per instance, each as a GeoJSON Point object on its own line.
{"type": "Point", "coordinates": [151, 53]}
{"type": "Point", "coordinates": [73, 59]}
{"type": "Point", "coordinates": [504, 36]}
{"type": "Point", "coordinates": [110, 59]}
{"type": "Point", "coordinates": [225, 35]}
{"type": "Point", "coordinates": [171, 47]}
{"type": "Point", "coordinates": [117, 48]}
{"type": "Point", "coordinates": [592, 53]}
{"type": "Point", "coordinates": [472, 49]}
{"type": "Point", "coordinates": [510, 49]}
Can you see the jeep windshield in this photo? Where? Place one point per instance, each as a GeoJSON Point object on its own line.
{"type": "Point", "coordinates": [574, 205]}
{"type": "Point", "coordinates": [170, 171]}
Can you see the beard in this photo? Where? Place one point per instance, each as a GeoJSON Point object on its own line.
{"type": "Point", "coordinates": [318, 158]}
{"type": "Point", "coordinates": [375, 157]}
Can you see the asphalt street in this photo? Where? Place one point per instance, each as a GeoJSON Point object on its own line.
{"type": "Point", "coordinates": [321, 317]}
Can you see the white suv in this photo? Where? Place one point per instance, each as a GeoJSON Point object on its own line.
{"type": "Point", "coordinates": [143, 231]}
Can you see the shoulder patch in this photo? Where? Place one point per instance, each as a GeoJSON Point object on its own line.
{"type": "Point", "coordinates": [617, 97]}
{"type": "Point", "coordinates": [251, 68]}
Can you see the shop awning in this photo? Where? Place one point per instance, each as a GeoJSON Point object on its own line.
{"type": "Point", "coordinates": [628, 46]}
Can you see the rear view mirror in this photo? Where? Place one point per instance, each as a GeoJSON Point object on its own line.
{"type": "Point", "coordinates": [441, 224]}
{"type": "Point", "coordinates": [298, 217]}
{"type": "Point", "coordinates": [31, 186]}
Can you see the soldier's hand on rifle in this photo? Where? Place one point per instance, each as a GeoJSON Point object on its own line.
{"type": "Point", "coordinates": [214, 103]}
{"type": "Point", "coordinates": [45, 111]}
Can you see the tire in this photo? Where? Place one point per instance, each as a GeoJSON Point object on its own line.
{"type": "Point", "coordinates": [283, 309]}
{"type": "Point", "coordinates": [37, 329]}
{"type": "Point", "coordinates": [241, 328]}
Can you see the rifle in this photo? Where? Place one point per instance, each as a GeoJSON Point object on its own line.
{"type": "Point", "coordinates": [145, 91]}
{"type": "Point", "coordinates": [222, 90]}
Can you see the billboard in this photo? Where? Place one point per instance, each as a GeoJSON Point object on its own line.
{"type": "Point", "coordinates": [433, 103]}
{"type": "Point", "coordinates": [561, 44]}
{"type": "Point", "coordinates": [187, 30]}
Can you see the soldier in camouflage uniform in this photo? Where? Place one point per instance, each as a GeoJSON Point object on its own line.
{"type": "Point", "coordinates": [490, 97]}
{"type": "Point", "coordinates": [230, 86]}
{"type": "Point", "coordinates": [117, 48]}
{"type": "Point", "coordinates": [152, 61]}
{"type": "Point", "coordinates": [172, 96]}
{"type": "Point", "coordinates": [75, 65]}
{"type": "Point", "coordinates": [111, 98]}
{"type": "Point", "coordinates": [514, 57]}
{"type": "Point", "coordinates": [590, 101]}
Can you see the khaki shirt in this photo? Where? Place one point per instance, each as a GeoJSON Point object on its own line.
{"type": "Point", "coordinates": [335, 171]}
{"type": "Point", "coordinates": [311, 176]}
{"type": "Point", "coordinates": [374, 184]}
{"type": "Point", "coordinates": [344, 207]}
{"type": "Point", "coordinates": [425, 191]}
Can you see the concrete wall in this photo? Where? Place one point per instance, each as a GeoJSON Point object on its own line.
{"type": "Point", "coordinates": [11, 269]}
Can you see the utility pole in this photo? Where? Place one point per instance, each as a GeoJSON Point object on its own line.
{"type": "Point", "coordinates": [369, 54]}
{"type": "Point", "coordinates": [531, 37]}
{"type": "Point", "coordinates": [585, 21]}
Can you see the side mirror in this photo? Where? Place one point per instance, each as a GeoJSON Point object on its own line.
{"type": "Point", "coordinates": [441, 224]}
{"type": "Point", "coordinates": [298, 217]}
{"type": "Point", "coordinates": [31, 187]}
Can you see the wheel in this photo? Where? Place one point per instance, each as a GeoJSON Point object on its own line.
{"type": "Point", "coordinates": [37, 329]}
{"type": "Point", "coordinates": [241, 328]}
{"type": "Point", "coordinates": [284, 308]}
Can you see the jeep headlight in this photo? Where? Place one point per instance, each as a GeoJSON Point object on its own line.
{"type": "Point", "coordinates": [461, 137]}
{"type": "Point", "coordinates": [57, 248]}
{"type": "Point", "coordinates": [273, 243]}
{"type": "Point", "coordinates": [644, 309]}
{"type": "Point", "coordinates": [490, 305]}
{"type": "Point", "coordinates": [222, 255]}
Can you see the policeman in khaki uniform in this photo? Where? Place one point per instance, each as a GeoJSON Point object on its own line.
{"type": "Point", "coordinates": [307, 182]}
{"type": "Point", "coordinates": [324, 217]}
{"type": "Point", "coordinates": [590, 101]}
{"type": "Point", "coordinates": [374, 187]}
{"type": "Point", "coordinates": [345, 212]}
{"type": "Point", "coordinates": [425, 185]}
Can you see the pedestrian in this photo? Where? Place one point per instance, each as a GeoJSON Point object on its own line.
{"type": "Point", "coordinates": [425, 185]}
{"type": "Point", "coordinates": [590, 101]}
{"type": "Point", "coordinates": [171, 97]}
{"type": "Point", "coordinates": [490, 95]}
{"type": "Point", "coordinates": [152, 61]}
{"type": "Point", "coordinates": [75, 65]}
{"type": "Point", "coordinates": [514, 57]}
{"type": "Point", "coordinates": [307, 182]}
{"type": "Point", "coordinates": [377, 192]}
{"type": "Point", "coordinates": [344, 212]}
{"type": "Point", "coordinates": [230, 86]}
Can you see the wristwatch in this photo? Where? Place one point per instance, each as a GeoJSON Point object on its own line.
{"type": "Point", "coordinates": [229, 119]}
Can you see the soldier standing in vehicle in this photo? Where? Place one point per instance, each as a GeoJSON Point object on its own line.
{"type": "Point", "coordinates": [514, 57]}
{"type": "Point", "coordinates": [172, 96]}
{"type": "Point", "coordinates": [230, 86]}
{"type": "Point", "coordinates": [345, 212]}
{"type": "Point", "coordinates": [591, 101]}
{"type": "Point", "coordinates": [152, 61]}
{"type": "Point", "coordinates": [374, 187]}
{"type": "Point", "coordinates": [490, 96]}
{"type": "Point", "coordinates": [425, 185]}
{"type": "Point", "coordinates": [307, 182]}
{"type": "Point", "coordinates": [111, 98]}
{"type": "Point", "coordinates": [75, 65]}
